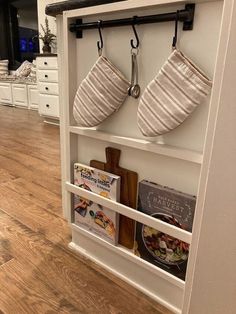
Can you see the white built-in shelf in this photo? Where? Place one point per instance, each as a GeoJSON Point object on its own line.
{"type": "Point", "coordinates": [211, 48]}
{"type": "Point", "coordinates": [153, 147]}
{"type": "Point", "coordinates": [131, 213]}
{"type": "Point", "coordinates": [127, 5]}
{"type": "Point", "coordinates": [131, 256]}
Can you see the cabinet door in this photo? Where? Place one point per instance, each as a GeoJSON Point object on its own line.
{"type": "Point", "coordinates": [5, 93]}
{"type": "Point", "coordinates": [33, 96]}
{"type": "Point", "coordinates": [19, 94]}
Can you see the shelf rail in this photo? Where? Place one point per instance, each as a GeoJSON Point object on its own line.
{"type": "Point", "coordinates": [120, 250]}
{"type": "Point", "coordinates": [160, 225]}
{"type": "Point", "coordinates": [142, 144]}
{"type": "Point", "coordinates": [186, 16]}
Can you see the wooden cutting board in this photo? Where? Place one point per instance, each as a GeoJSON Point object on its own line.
{"type": "Point", "coordinates": [128, 192]}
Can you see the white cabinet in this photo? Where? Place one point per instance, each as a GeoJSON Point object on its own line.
{"type": "Point", "coordinates": [19, 94]}
{"type": "Point", "coordinates": [33, 97]}
{"type": "Point", "coordinates": [47, 74]}
{"type": "Point", "coordinates": [5, 93]}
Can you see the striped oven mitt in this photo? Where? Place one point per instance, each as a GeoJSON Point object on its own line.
{"type": "Point", "coordinates": [172, 95]}
{"type": "Point", "coordinates": [100, 94]}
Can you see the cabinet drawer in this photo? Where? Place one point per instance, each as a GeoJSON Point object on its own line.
{"type": "Point", "coordinates": [47, 63]}
{"type": "Point", "coordinates": [48, 88]}
{"type": "Point", "coordinates": [49, 105]}
{"type": "Point", "coordinates": [48, 76]}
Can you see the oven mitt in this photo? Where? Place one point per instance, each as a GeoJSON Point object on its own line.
{"type": "Point", "coordinates": [172, 95]}
{"type": "Point", "coordinates": [100, 94]}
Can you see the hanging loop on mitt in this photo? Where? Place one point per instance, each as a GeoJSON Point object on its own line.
{"type": "Point", "coordinates": [100, 43]}
{"type": "Point", "coordinates": [174, 42]}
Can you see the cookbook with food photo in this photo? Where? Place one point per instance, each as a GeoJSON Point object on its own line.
{"type": "Point", "coordinates": [91, 216]}
{"type": "Point", "coordinates": [170, 206]}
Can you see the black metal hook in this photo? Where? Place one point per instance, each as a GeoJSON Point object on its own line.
{"type": "Point", "coordinates": [100, 43]}
{"type": "Point", "coordinates": [176, 30]}
{"type": "Point", "coordinates": [136, 35]}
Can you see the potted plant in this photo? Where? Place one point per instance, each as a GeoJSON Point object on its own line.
{"type": "Point", "coordinates": [47, 37]}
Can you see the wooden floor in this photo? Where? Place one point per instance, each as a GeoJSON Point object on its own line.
{"type": "Point", "coordinates": [38, 273]}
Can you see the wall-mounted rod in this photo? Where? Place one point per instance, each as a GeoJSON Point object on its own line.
{"type": "Point", "coordinates": [186, 16]}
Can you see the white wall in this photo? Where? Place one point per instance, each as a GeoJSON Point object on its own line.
{"type": "Point", "coordinates": [41, 18]}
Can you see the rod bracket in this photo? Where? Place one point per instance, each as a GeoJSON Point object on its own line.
{"type": "Point", "coordinates": [79, 32]}
{"type": "Point", "coordinates": [188, 24]}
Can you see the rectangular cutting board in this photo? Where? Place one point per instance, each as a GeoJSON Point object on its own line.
{"type": "Point", "coordinates": [128, 192]}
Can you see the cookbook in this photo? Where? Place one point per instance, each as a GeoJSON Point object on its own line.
{"type": "Point", "coordinates": [91, 216]}
{"type": "Point", "coordinates": [170, 206]}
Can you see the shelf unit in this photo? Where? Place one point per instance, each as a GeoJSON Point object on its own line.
{"type": "Point", "coordinates": [79, 144]}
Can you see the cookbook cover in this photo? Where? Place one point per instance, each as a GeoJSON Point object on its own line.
{"type": "Point", "coordinates": [98, 219]}
{"type": "Point", "coordinates": [170, 206]}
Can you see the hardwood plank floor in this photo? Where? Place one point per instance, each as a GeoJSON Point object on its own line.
{"type": "Point", "coordinates": [38, 273]}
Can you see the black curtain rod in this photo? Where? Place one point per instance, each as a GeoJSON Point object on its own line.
{"type": "Point", "coordinates": [186, 16]}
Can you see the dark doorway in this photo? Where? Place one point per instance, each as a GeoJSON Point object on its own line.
{"type": "Point", "coordinates": [18, 27]}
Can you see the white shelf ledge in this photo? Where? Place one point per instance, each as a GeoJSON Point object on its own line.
{"type": "Point", "coordinates": [126, 5]}
{"type": "Point", "coordinates": [161, 149]}
{"type": "Point", "coordinates": [118, 261]}
{"type": "Point", "coordinates": [131, 213]}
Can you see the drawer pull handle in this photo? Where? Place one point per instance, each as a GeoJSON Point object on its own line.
{"type": "Point", "coordinates": [46, 75]}
{"type": "Point", "coordinates": [47, 105]}
{"type": "Point", "coordinates": [45, 63]}
{"type": "Point", "coordinates": [46, 88]}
